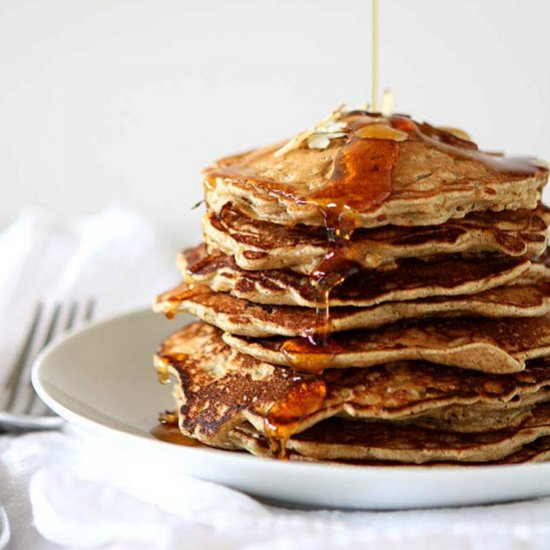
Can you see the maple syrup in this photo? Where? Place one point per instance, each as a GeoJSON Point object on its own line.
{"type": "Point", "coordinates": [374, 106]}
{"type": "Point", "coordinates": [361, 181]}
{"type": "Point", "coordinates": [163, 373]}
{"type": "Point", "coordinates": [172, 299]}
{"type": "Point", "coordinates": [285, 417]}
{"type": "Point", "coordinates": [172, 434]}
{"type": "Point", "coordinates": [163, 368]}
{"type": "Point", "coordinates": [455, 146]}
{"type": "Point", "coordinates": [309, 354]}
{"type": "Point", "coordinates": [167, 430]}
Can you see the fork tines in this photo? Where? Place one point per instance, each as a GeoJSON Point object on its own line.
{"type": "Point", "coordinates": [48, 322]}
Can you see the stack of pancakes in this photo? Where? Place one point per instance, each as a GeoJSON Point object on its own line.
{"type": "Point", "coordinates": [373, 291]}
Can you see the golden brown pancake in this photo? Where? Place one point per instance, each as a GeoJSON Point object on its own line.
{"type": "Point", "coordinates": [488, 345]}
{"type": "Point", "coordinates": [261, 245]}
{"type": "Point", "coordinates": [242, 317]}
{"type": "Point", "coordinates": [341, 439]}
{"type": "Point", "coordinates": [536, 451]}
{"type": "Point", "coordinates": [419, 176]}
{"type": "Point", "coordinates": [411, 279]}
{"type": "Point", "coordinates": [220, 390]}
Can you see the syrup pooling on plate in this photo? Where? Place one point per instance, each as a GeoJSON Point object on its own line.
{"type": "Point", "coordinates": [167, 430]}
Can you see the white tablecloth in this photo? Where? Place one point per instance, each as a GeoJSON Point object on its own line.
{"type": "Point", "coordinates": [69, 489]}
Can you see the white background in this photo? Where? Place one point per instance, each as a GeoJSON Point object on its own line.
{"type": "Point", "coordinates": [126, 101]}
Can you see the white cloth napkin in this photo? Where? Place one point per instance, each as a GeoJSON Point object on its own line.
{"type": "Point", "coordinates": [114, 257]}
{"type": "Point", "coordinates": [71, 489]}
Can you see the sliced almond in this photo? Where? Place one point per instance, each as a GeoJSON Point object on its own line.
{"type": "Point", "coordinates": [381, 131]}
{"type": "Point", "coordinates": [328, 124]}
{"type": "Point", "coordinates": [456, 132]}
{"type": "Point", "coordinates": [294, 143]}
{"type": "Point", "coordinates": [318, 141]}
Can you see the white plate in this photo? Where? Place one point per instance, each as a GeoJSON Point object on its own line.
{"type": "Point", "coordinates": [101, 379]}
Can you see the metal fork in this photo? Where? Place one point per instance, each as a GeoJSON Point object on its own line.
{"type": "Point", "coordinates": [23, 409]}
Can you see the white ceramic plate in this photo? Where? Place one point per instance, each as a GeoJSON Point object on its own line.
{"type": "Point", "coordinates": [101, 379]}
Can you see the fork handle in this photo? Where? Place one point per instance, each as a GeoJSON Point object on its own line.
{"type": "Point", "coordinates": [17, 422]}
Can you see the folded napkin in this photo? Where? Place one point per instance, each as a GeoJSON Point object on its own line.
{"type": "Point", "coordinates": [75, 490]}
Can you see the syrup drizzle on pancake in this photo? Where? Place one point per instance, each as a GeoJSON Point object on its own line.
{"type": "Point", "coordinates": [287, 415]}
{"type": "Point", "coordinates": [167, 430]}
{"type": "Point", "coordinates": [360, 181]}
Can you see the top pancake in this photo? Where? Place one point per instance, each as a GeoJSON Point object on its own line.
{"type": "Point", "coordinates": [377, 171]}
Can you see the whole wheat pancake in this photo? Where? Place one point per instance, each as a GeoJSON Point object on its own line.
{"type": "Point", "coordinates": [219, 389]}
{"type": "Point", "coordinates": [488, 345]}
{"type": "Point", "coordinates": [410, 279]}
{"type": "Point", "coordinates": [536, 451]}
{"type": "Point", "coordinates": [341, 439]}
{"type": "Point", "coordinates": [246, 318]}
{"type": "Point", "coordinates": [380, 171]}
{"type": "Point", "coordinates": [261, 245]}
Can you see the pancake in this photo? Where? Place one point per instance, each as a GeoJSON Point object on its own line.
{"type": "Point", "coordinates": [488, 345]}
{"type": "Point", "coordinates": [246, 318]}
{"type": "Point", "coordinates": [340, 439]}
{"type": "Point", "coordinates": [261, 245]}
{"type": "Point", "coordinates": [475, 418]}
{"type": "Point", "coordinates": [536, 451]}
{"type": "Point", "coordinates": [411, 279]}
{"type": "Point", "coordinates": [219, 389]}
{"type": "Point", "coordinates": [381, 171]}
